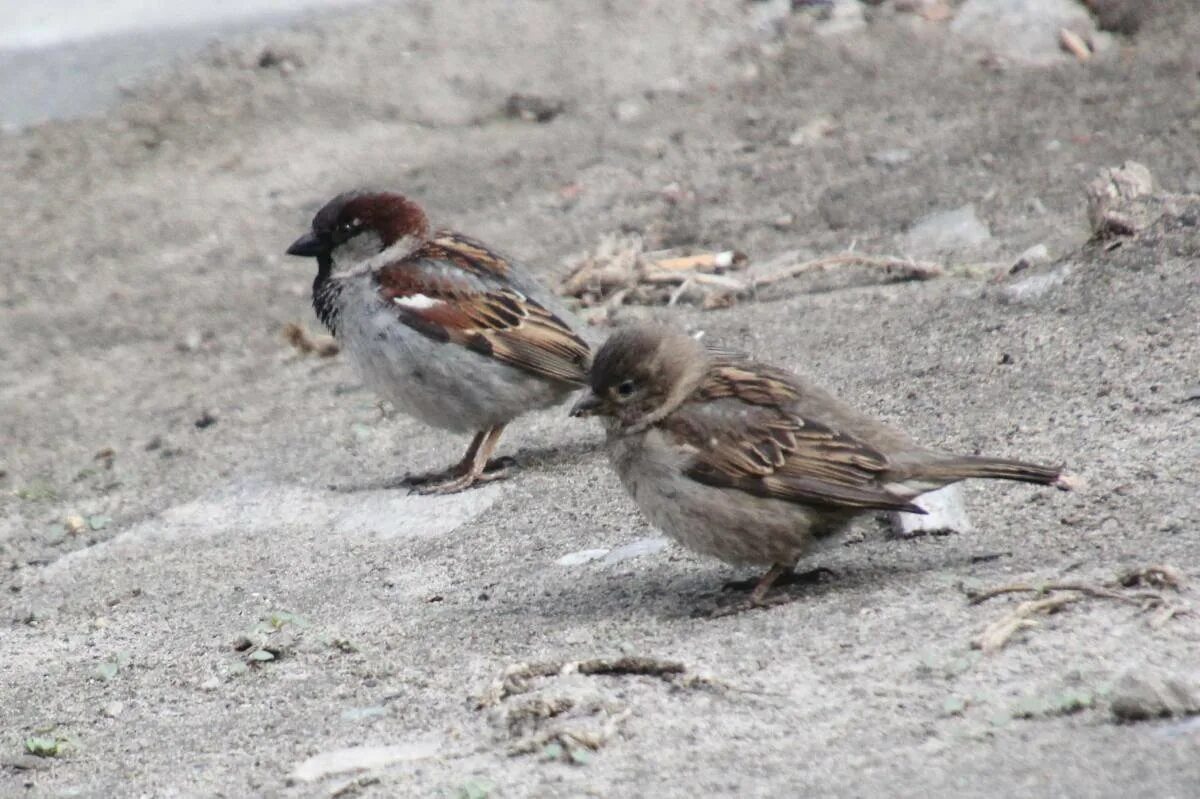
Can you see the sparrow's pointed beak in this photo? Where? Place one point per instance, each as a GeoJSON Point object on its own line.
{"type": "Point", "coordinates": [588, 405]}
{"type": "Point", "coordinates": [307, 246]}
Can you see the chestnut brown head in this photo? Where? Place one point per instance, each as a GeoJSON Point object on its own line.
{"type": "Point", "coordinates": [357, 225]}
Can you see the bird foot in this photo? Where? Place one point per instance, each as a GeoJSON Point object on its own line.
{"type": "Point", "coordinates": [442, 481]}
{"type": "Point", "coordinates": [810, 577]}
{"type": "Point", "coordinates": [759, 588]}
{"type": "Point", "coordinates": [752, 603]}
{"type": "Point", "coordinates": [452, 481]}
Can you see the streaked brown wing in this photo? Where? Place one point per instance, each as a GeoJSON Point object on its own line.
{"type": "Point", "coordinates": [769, 452]}
{"type": "Point", "coordinates": [452, 289]}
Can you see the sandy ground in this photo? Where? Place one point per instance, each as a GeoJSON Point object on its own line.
{"type": "Point", "coordinates": [146, 388]}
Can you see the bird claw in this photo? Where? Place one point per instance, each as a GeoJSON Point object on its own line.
{"type": "Point", "coordinates": [451, 482]}
{"type": "Point", "coordinates": [810, 577]}
{"type": "Point", "coordinates": [443, 481]}
{"type": "Point", "coordinates": [764, 603]}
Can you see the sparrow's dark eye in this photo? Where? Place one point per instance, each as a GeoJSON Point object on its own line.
{"type": "Point", "coordinates": [625, 388]}
{"type": "Point", "coordinates": [347, 229]}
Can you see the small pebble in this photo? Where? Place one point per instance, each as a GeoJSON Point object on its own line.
{"type": "Point", "coordinates": [1140, 694]}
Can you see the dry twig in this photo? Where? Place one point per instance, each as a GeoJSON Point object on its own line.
{"type": "Point", "coordinates": [517, 677]}
{"type": "Point", "coordinates": [621, 272]}
{"type": "Point", "coordinates": [1058, 594]}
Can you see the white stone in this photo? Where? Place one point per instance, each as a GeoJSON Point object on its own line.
{"type": "Point", "coordinates": [362, 758]}
{"type": "Point", "coordinates": [1022, 30]}
{"type": "Point", "coordinates": [946, 512]}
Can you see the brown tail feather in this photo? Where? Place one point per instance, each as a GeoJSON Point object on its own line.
{"type": "Point", "coordinates": [970, 466]}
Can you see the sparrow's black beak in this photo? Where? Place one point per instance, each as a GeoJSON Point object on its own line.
{"type": "Point", "coordinates": [307, 246]}
{"type": "Point", "coordinates": [588, 405]}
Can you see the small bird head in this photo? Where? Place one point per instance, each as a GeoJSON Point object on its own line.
{"type": "Point", "coordinates": [358, 225]}
{"type": "Point", "coordinates": [640, 375]}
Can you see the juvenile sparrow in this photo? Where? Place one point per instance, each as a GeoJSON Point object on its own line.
{"type": "Point", "coordinates": [749, 463]}
{"type": "Point", "coordinates": [439, 324]}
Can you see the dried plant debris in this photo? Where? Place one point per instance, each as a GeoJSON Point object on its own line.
{"type": "Point", "coordinates": [45, 745]}
{"type": "Point", "coordinates": [306, 343]}
{"type": "Point", "coordinates": [520, 677]}
{"type": "Point", "coordinates": [1074, 44]}
{"type": "Point", "coordinates": [1051, 597]}
{"type": "Point", "coordinates": [553, 709]}
{"type": "Point", "coordinates": [622, 272]}
{"type": "Point", "coordinates": [1126, 201]}
{"type": "Point", "coordinates": [281, 634]}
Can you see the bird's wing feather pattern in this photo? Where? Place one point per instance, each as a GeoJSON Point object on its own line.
{"type": "Point", "coordinates": [741, 433]}
{"type": "Point", "coordinates": [455, 289]}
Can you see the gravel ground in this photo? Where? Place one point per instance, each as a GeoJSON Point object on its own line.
{"type": "Point", "coordinates": [215, 616]}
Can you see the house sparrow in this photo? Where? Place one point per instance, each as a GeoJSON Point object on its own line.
{"type": "Point", "coordinates": [439, 324]}
{"type": "Point", "coordinates": [749, 463]}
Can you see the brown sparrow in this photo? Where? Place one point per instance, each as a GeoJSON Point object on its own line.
{"type": "Point", "coordinates": [439, 324]}
{"type": "Point", "coordinates": [749, 463]}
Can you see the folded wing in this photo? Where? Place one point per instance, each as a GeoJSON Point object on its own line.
{"type": "Point", "coordinates": [739, 433]}
{"type": "Point", "coordinates": [455, 289]}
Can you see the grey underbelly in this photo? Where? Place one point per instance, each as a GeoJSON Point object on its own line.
{"type": "Point", "coordinates": [442, 384]}
{"type": "Point", "coordinates": [724, 523]}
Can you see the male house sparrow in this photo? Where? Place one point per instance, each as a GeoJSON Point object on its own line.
{"type": "Point", "coordinates": [452, 333]}
{"type": "Point", "coordinates": [749, 463]}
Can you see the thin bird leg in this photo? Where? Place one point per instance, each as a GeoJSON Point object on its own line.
{"type": "Point", "coordinates": [474, 467]}
{"type": "Point", "coordinates": [764, 584]}
{"type": "Point", "coordinates": [451, 472]}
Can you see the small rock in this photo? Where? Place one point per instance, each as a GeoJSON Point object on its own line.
{"type": "Point", "coordinates": [1037, 254]}
{"type": "Point", "coordinates": [285, 62]}
{"type": "Point", "coordinates": [25, 763]}
{"type": "Point", "coordinates": [946, 230]}
{"type": "Point", "coordinates": [1140, 695]}
{"type": "Point", "coordinates": [1114, 207]}
{"type": "Point", "coordinates": [211, 684]}
{"type": "Point", "coordinates": [946, 513]}
{"type": "Point", "coordinates": [75, 524]}
{"type": "Point", "coordinates": [532, 108]}
{"type": "Point", "coordinates": [1022, 30]}
{"type": "Point", "coordinates": [113, 709]}
{"type": "Point", "coordinates": [206, 419]}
